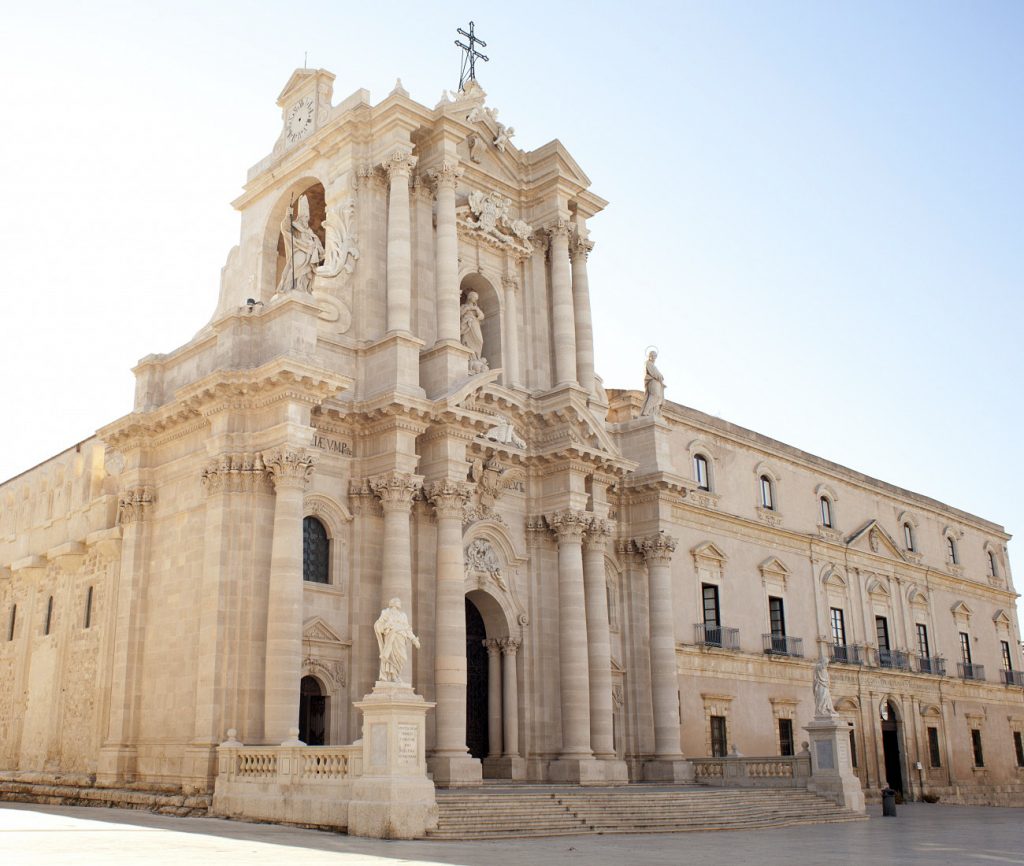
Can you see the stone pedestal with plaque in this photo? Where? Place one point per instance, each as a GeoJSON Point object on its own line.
{"type": "Point", "coordinates": [832, 773]}
{"type": "Point", "coordinates": [394, 798]}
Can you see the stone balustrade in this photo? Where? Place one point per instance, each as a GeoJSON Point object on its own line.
{"type": "Point", "coordinates": [741, 772]}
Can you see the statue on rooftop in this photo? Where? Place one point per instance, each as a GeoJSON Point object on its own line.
{"type": "Point", "coordinates": [654, 387]}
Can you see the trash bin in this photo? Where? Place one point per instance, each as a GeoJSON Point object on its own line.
{"type": "Point", "coordinates": [888, 803]}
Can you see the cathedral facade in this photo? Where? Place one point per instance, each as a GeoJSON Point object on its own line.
{"type": "Point", "coordinates": [396, 398]}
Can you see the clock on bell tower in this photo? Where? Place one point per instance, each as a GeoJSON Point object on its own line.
{"type": "Point", "coordinates": [305, 104]}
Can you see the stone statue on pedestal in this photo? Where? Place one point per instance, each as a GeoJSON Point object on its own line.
{"type": "Point", "coordinates": [823, 708]}
{"type": "Point", "coordinates": [654, 387]}
{"type": "Point", "coordinates": [394, 633]}
{"type": "Point", "coordinates": [302, 251]}
{"type": "Point", "coordinates": [472, 335]}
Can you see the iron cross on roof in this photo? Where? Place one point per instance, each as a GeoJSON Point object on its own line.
{"type": "Point", "coordinates": [470, 55]}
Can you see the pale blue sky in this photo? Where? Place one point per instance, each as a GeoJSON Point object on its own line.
{"type": "Point", "coordinates": [816, 208]}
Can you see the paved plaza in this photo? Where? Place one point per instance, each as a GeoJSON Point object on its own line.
{"type": "Point", "coordinates": [922, 834]}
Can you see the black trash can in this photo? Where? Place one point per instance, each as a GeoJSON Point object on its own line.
{"type": "Point", "coordinates": [888, 803]}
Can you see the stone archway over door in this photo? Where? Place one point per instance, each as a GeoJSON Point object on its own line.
{"type": "Point", "coordinates": [477, 740]}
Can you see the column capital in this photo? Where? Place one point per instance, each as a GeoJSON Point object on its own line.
{"type": "Point", "coordinates": [510, 282]}
{"type": "Point", "coordinates": [509, 646]}
{"type": "Point", "coordinates": [395, 490]}
{"type": "Point", "coordinates": [569, 525]}
{"type": "Point", "coordinates": [492, 645]}
{"type": "Point", "coordinates": [399, 164]}
{"type": "Point", "coordinates": [657, 549]}
{"type": "Point", "coordinates": [289, 467]}
{"type": "Point", "coordinates": [598, 532]}
{"type": "Point", "coordinates": [236, 473]}
{"type": "Point", "coordinates": [446, 175]}
{"type": "Point", "coordinates": [448, 497]}
{"type": "Point", "coordinates": [559, 229]}
{"type": "Point", "coordinates": [580, 245]}
{"type": "Point", "coordinates": [133, 504]}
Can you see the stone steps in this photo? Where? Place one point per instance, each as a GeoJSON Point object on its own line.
{"type": "Point", "coordinates": [510, 812]}
{"type": "Point", "coordinates": [56, 794]}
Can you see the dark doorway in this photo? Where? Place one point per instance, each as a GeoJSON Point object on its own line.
{"type": "Point", "coordinates": [891, 751]}
{"type": "Point", "coordinates": [312, 713]}
{"type": "Point", "coordinates": [476, 690]}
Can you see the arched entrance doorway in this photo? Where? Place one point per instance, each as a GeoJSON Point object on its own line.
{"type": "Point", "coordinates": [477, 683]}
{"type": "Point", "coordinates": [891, 747]}
{"type": "Point", "coordinates": [312, 713]}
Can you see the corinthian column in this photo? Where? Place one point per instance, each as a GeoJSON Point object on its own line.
{"type": "Point", "coordinates": [493, 647]}
{"type": "Point", "coordinates": [399, 168]}
{"type": "Point", "coordinates": [574, 685]}
{"type": "Point", "coordinates": [599, 643]}
{"type": "Point", "coordinates": [290, 472]}
{"type": "Point", "coordinates": [563, 323]}
{"type": "Point", "coordinates": [450, 762]}
{"type": "Point", "coordinates": [446, 267]}
{"type": "Point", "coordinates": [658, 550]}
{"type": "Point", "coordinates": [395, 491]}
{"type": "Point", "coordinates": [510, 694]}
{"type": "Point", "coordinates": [581, 248]}
{"type": "Point", "coordinates": [511, 359]}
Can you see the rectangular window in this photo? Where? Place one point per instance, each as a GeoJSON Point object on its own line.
{"type": "Point", "coordinates": [10, 623]}
{"type": "Point", "coordinates": [719, 743]}
{"type": "Point", "coordinates": [700, 472]}
{"type": "Point", "coordinates": [838, 627]}
{"type": "Point", "coordinates": [1018, 747]}
{"type": "Point", "coordinates": [1007, 659]}
{"type": "Point", "coordinates": [88, 607]}
{"type": "Point", "coordinates": [965, 648]}
{"type": "Point", "coordinates": [785, 737]}
{"type": "Point", "coordinates": [767, 500]}
{"type": "Point", "coordinates": [777, 616]}
{"type": "Point", "coordinates": [979, 757]}
{"type": "Point", "coordinates": [49, 615]}
{"type": "Point", "coordinates": [922, 640]}
{"type": "Point", "coordinates": [934, 758]}
{"type": "Point", "coordinates": [853, 748]}
{"type": "Point", "coordinates": [882, 630]}
{"type": "Point", "coordinates": [711, 610]}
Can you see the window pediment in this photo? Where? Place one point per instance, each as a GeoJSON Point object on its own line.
{"type": "Point", "coordinates": [774, 569]}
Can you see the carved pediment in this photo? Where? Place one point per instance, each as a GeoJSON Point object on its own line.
{"type": "Point", "coordinates": [709, 551]}
{"type": "Point", "coordinates": [875, 586]}
{"type": "Point", "coordinates": [961, 609]}
{"type": "Point", "coordinates": [317, 629]}
{"type": "Point", "coordinates": [832, 576]}
{"type": "Point", "coordinates": [873, 538]}
{"type": "Point", "coordinates": [773, 568]}
{"type": "Point", "coordinates": [1001, 618]}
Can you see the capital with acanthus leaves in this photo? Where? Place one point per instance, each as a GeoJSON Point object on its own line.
{"type": "Point", "coordinates": [400, 164]}
{"type": "Point", "coordinates": [658, 549]}
{"type": "Point", "coordinates": [448, 497]}
{"type": "Point", "coordinates": [569, 525]}
{"type": "Point", "coordinates": [395, 490]}
{"type": "Point", "coordinates": [446, 175]}
{"type": "Point", "coordinates": [289, 467]}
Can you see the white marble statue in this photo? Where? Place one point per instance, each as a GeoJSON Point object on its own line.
{"type": "Point", "coordinates": [472, 335]}
{"type": "Point", "coordinates": [303, 251]}
{"type": "Point", "coordinates": [394, 633]}
{"type": "Point", "coordinates": [822, 694]}
{"type": "Point", "coordinates": [654, 387]}
{"type": "Point", "coordinates": [505, 133]}
{"type": "Point", "coordinates": [506, 434]}
{"type": "Point", "coordinates": [341, 251]}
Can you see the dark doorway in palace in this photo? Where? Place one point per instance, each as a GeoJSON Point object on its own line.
{"type": "Point", "coordinates": [891, 750]}
{"type": "Point", "coordinates": [476, 689]}
{"type": "Point", "coordinates": [312, 713]}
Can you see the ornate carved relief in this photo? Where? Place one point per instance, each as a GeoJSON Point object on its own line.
{"type": "Point", "coordinates": [492, 480]}
{"type": "Point", "coordinates": [491, 219]}
{"type": "Point", "coordinates": [289, 467]}
{"type": "Point", "coordinates": [395, 490]}
{"type": "Point", "coordinates": [569, 525]}
{"type": "Point", "coordinates": [236, 473]}
{"type": "Point", "coordinates": [482, 563]}
{"type": "Point", "coordinates": [133, 504]}
{"type": "Point", "coordinates": [658, 549]}
{"type": "Point", "coordinates": [342, 251]}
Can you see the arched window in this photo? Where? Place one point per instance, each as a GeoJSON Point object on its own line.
{"type": "Point", "coordinates": [908, 536]}
{"type": "Point", "coordinates": [993, 567]}
{"type": "Point", "coordinates": [951, 549]}
{"type": "Point", "coordinates": [767, 493]}
{"type": "Point", "coordinates": [316, 550]}
{"type": "Point", "coordinates": [700, 472]}
{"type": "Point", "coordinates": [826, 512]}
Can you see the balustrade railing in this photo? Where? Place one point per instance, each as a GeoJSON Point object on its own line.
{"type": "Point", "coordinates": [783, 645]}
{"type": "Point", "coordinates": [284, 764]}
{"type": "Point", "coordinates": [935, 665]}
{"type": "Point", "coordinates": [848, 653]}
{"type": "Point", "coordinates": [969, 671]}
{"type": "Point", "coordinates": [895, 659]}
{"type": "Point", "coordinates": [1013, 678]}
{"type": "Point", "coordinates": [736, 771]}
{"type": "Point", "coordinates": [717, 636]}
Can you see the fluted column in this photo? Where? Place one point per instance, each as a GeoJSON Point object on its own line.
{"type": "Point", "coordinates": [511, 354]}
{"type": "Point", "coordinates": [446, 268]}
{"type": "Point", "coordinates": [562, 318]}
{"type": "Point", "coordinates": [510, 696]}
{"type": "Point", "coordinates": [572, 634]}
{"type": "Point", "coordinates": [581, 248]}
{"type": "Point", "coordinates": [658, 550]}
{"type": "Point", "coordinates": [395, 491]}
{"type": "Point", "coordinates": [290, 472]}
{"type": "Point", "coordinates": [399, 168]}
{"type": "Point", "coordinates": [493, 647]}
{"type": "Point", "coordinates": [448, 499]}
{"type": "Point", "coordinates": [599, 641]}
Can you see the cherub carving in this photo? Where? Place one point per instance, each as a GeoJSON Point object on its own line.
{"type": "Point", "coordinates": [492, 480]}
{"type": "Point", "coordinates": [489, 209]}
{"type": "Point", "coordinates": [342, 252]}
{"type": "Point", "coordinates": [505, 133]}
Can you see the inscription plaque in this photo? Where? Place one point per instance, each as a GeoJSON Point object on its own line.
{"type": "Point", "coordinates": [408, 743]}
{"type": "Point", "coordinates": [826, 760]}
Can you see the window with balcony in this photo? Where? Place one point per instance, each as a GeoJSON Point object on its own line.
{"type": "Point", "coordinates": [1007, 658]}
{"type": "Point", "coordinates": [719, 741]}
{"type": "Point", "coordinates": [700, 472]}
{"type": "Point", "coordinates": [934, 755]}
{"type": "Point", "coordinates": [965, 648]}
{"type": "Point", "coordinates": [712, 613]}
{"type": "Point", "coordinates": [922, 640]}
{"type": "Point", "coordinates": [882, 632]}
{"type": "Point", "coordinates": [777, 617]}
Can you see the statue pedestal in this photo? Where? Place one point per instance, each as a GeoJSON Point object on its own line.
{"type": "Point", "coordinates": [393, 799]}
{"type": "Point", "coordinates": [832, 773]}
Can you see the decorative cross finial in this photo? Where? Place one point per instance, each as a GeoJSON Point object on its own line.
{"type": "Point", "coordinates": [470, 55]}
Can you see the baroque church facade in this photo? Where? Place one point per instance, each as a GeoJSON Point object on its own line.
{"type": "Point", "coordinates": [396, 398]}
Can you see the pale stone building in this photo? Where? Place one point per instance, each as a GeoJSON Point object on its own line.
{"type": "Point", "coordinates": [396, 398]}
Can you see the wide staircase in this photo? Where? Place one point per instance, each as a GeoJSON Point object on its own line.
{"type": "Point", "coordinates": [146, 799]}
{"type": "Point", "coordinates": [498, 812]}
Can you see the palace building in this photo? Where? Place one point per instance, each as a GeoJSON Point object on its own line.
{"type": "Point", "coordinates": [397, 397]}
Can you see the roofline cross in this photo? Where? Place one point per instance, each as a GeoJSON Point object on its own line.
{"type": "Point", "coordinates": [470, 55]}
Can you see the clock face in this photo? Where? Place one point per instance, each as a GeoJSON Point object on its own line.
{"type": "Point", "coordinates": [299, 121]}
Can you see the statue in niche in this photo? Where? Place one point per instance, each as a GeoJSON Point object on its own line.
{"type": "Point", "coordinates": [477, 148]}
{"type": "Point", "coordinates": [472, 335]}
{"type": "Point", "coordinates": [394, 633]}
{"type": "Point", "coordinates": [303, 251]}
{"type": "Point", "coordinates": [822, 690]}
{"type": "Point", "coordinates": [654, 387]}
{"type": "Point", "coordinates": [341, 253]}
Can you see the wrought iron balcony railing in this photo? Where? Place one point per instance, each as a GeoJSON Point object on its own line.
{"type": "Point", "coordinates": [1014, 678]}
{"type": "Point", "coordinates": [783, 645]}
{"type": "Point", "coordinates": [717, 636]}
{"type": "Point", "coordinates": [970, 671]}
{"type": "Point", "coordinates": [935, 665]}
{"type": "Point", "coordinates": [848, 653]}
{"type": "Point", "coordinates": [895, 659]}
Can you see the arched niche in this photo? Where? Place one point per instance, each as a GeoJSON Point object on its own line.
{"type": "Point", "coordinates": [272, 254]}
{"type": "Point", "coordinates": [496, 620]}
{"type": "Point", "coordinates": [490, 303]}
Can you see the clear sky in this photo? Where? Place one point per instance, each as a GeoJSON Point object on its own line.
{"type": "Point", "coordinates": [817, 209]}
